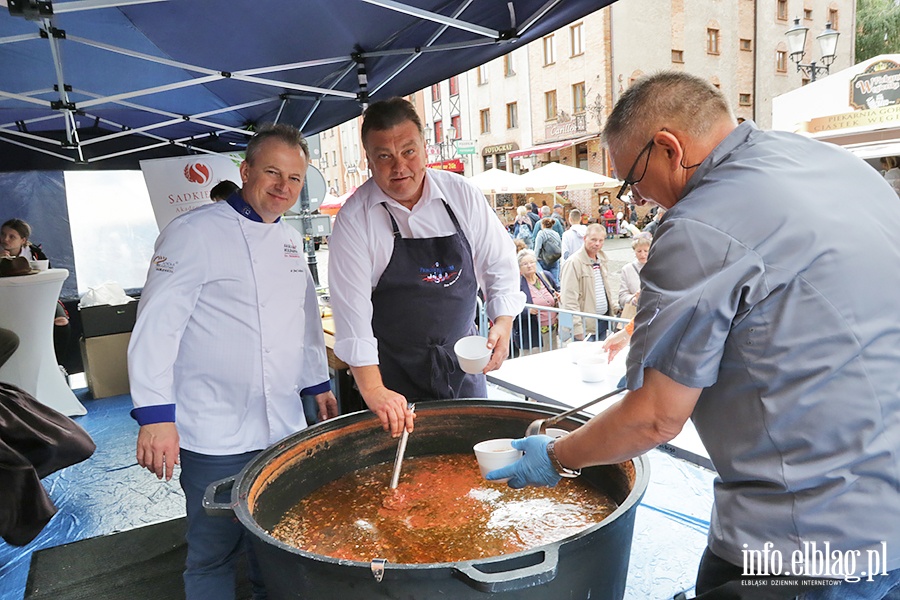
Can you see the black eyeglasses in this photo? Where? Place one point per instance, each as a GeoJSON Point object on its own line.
{"type": "Point", "coordinates": [628, 181]}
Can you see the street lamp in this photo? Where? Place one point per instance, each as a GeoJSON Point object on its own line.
{"type": "Point", "coordinates": [447, 148]}
{"type": "Point", "coordinates": [796, 37]}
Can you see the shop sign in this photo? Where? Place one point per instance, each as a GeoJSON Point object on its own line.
{"type": "Point", "coordinates": [500, 148]}
{"type": "Point", "coordinates": [567, 129]}
{"type": "Point", "coordinates": [877, 86]}
{"type": "Point", "coordinates": [887, 116]}
{"type": "Point", "coordinates": [464, 147]}
{"type": "Point", "coordinates": [456, 165]}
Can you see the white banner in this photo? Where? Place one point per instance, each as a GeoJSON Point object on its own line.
{"type": "Point", "coordinates": [181, 184]}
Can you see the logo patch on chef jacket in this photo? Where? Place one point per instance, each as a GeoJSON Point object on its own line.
{"type": "Point", "coordinates": [440, 275]}
{"type": "Point", "coordinates": [163, 264]}
{"type": "Point", "coordinates": [290, 250]}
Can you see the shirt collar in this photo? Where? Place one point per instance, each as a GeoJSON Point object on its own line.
{"type": "Point", "coordinates": [738, 137]}
{"type": "Point", "coordinates": [236, 201]}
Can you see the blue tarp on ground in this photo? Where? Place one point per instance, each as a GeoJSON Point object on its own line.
{"type": "Point", "coordinates": [109, 493]}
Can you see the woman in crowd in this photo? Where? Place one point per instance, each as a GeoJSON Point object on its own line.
{"type": "Point", "coordinates": [534, 329]}
{"type": "Point", "coordinates": [522, 226]}
{"type": "Point", "coordinates": [14, 235]}
{"type": "Point", "coordinates": [548, 247]}
{"type": "Point", "coordinates": [630, 276]}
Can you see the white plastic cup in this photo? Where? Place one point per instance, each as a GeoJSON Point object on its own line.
{"type": "Point", "coordinates": [593, 367]}
{"type": "Point", "coordinates": [472, 353]}
{"type": "Point", "coordinates": [494, 454]}
{"type": "Point", "coordinates": [578, 348]}
{"type": "Point", "coordinates": [40, 265]}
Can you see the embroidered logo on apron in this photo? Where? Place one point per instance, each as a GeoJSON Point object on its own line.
{"type": "Point", "coordinates": [437, 274]}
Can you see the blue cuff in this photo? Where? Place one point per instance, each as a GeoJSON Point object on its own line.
{"type": "Point", "coordinates": [321, 388]}
{"type": "Point", "coordinates": [160, 413]}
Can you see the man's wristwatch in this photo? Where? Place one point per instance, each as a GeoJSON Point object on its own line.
{"type": "Point", "coordinates": [560, 469]}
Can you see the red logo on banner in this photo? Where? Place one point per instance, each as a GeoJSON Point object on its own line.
{"type": "Point", "coordinates": [198, 173]}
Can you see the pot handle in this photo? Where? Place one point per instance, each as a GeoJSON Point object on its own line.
{"type": "Point", "coordinates": [512, 580]}
{"type": "Point", "coordinates": [218, 509]}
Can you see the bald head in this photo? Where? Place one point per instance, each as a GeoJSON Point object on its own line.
{"type": "Point", "coordinates": [670, 99]}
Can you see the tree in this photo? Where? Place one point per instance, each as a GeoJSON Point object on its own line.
{"type": "Point", "coordinates": [877, 28]}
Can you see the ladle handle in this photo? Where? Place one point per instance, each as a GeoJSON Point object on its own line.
{"type": "Point", "coordinates": [556, 419]}
{"type": "Point", "coordinates": [401, 450]}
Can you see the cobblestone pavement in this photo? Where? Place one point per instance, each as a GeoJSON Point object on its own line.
{"type": "Point", "coordinates": [618, 250]}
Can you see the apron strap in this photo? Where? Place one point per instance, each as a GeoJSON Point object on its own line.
{"type": "Point", "coordinates": [394, 228]}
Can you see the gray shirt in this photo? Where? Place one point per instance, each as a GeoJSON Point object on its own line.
{"type": "Point", "coordinates": [760, 290]}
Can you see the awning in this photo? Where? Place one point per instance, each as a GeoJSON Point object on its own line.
{"type": "Point", "coordinates": [544, 148]}
{"type": "Point", "coordinates": [876, 149]}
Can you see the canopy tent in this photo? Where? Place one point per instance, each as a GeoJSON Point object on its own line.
{"type": "Point", "coordinates": [555, 177]}
{"type": "Point", "coordinates": [498, 181]}
{"type": "Point", "coordinates": [106, 83]}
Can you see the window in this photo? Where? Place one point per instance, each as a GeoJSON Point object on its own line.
{"type": "Point", "coordinates": [744, 99]}
{"type": "Point", "coordinates": [781, 61]}
{"type": "Point", "coordinates": [334, 157]}
{"type": "Point", "coordinates": [455, 124]}
{"type": "Point", "coordinates": [577, 39]}
{"type": "Point", "coordinates": [436, 91]}
{"type": "Point", "coordinates": [438, 132]}
{"type": "Point", "coordinates": [486, 120]}
{"type": "Point", "coordinates": [578, 98]}
{"type": "Point", "coordinates": [508, 70]}
{"type": "Point", "coordinates": [550, 104]}
{"type": "Point", "coordinates": [677, 56]}
{"type": "Point", "coordinates": [549, 50]}
{"type": "Point", "coordinates": [454, 86]}
{"type": "Point", "coordinates": [781, 10]}
{"type": "Point", "coordinates": [712, 41]}
{"type": "Point", "coordinates": [746, 45]}
{"type": "Point", "coordinates": [512, 115]}
{"type": "Point", "coordinates": [325, 160]}
{"type": "Point", "coordinates": [482, 75]}
{"type": "Point", "coordinates": [807, 14]}
{"type": "Point", "coordinates": [833, 17]}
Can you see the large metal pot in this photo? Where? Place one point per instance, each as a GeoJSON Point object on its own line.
{"type": "Point", "coordinates": [591, 564]}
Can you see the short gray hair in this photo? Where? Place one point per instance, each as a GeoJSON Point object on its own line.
{"type": "Point", "coordinates": [523, 254]}
{"type": "Point", "coordinates": [282, 132]}
{"type": "Point", "coordinates": [672, 98]}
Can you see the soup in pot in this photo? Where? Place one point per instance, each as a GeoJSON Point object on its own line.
{"type": "Point", "coordinates": [442, 511]}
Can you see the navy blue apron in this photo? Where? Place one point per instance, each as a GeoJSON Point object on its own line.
{"type": "Point", "coordinates": [423, 303]}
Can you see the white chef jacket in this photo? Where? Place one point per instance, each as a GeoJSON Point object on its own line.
{"type": "Point", "coordinates": [362, 243]}
{"type": "Point", "coordinates": [228, 330]}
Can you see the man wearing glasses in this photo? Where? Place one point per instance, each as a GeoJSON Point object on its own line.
{"type": "Point", "coordinates": [758, 330]}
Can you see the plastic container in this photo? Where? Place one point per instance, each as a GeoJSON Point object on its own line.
{"type": "Point", "coordinates": [494, 454]}
{"type": "Point", "coordinates": [472, 353]}
{"type": "Point", "coordinates": [593, 368]}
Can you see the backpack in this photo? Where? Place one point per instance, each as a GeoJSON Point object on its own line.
{"type": "Point", "coordinates": [523, 232]}
{"type": "Point", "coordinates": [551, 250]}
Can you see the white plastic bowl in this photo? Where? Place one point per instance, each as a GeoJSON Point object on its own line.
{"type": "Point", "coordinates": [472, 353]}
{"type": "Point", "coordinates": [593, 367]}
{"type": "Point", "coordinates": [40, 265]}
{"type": "Point", "coordinates": [493, 454]}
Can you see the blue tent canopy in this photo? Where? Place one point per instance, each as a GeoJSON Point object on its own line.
{"type": "Point", "coordinates": [106, 83]}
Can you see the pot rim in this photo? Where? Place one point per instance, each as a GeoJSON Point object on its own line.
{"type": "Point", "coordinates": [244, 481]}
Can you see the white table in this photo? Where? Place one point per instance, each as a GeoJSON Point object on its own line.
{"type": "Point", "coordinates": [27, 307]}
{"type": "Point", "coordinates": [553, 377]}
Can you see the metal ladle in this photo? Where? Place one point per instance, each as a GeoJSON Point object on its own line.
{"type": "Point", "coordinates": [401, 450]}
{"type": "Point", "coordinates": [539, 426]}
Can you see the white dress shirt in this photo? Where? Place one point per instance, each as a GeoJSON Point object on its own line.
{"type": "Point", "coordinates": [228, 330]}
{"type": "Point", "coordinates": [362, 243]}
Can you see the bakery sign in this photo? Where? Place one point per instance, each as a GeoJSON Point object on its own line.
{"type": "Point", "coordinates": [877, 86]}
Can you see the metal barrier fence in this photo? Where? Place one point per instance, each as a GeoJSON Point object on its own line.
{"type": "Point", "coordinates": [523, 328]}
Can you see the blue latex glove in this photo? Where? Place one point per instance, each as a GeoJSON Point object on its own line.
{"type": "Point", "coordinates": [532, 469]}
